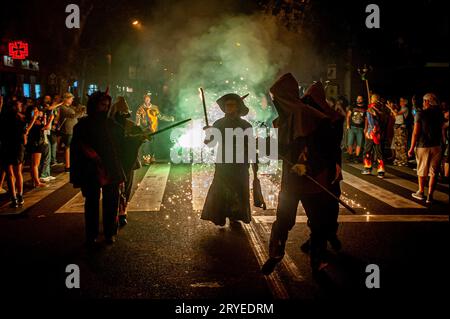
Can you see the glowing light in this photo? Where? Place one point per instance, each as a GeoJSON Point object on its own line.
{"type": "Point", "coordinates": [18, 50]}
{"type": "Point", "coordinates": [135, 22]}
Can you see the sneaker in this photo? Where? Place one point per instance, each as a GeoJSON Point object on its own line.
{"type": "Point", "coordinates": [3, 191]}
{"type": "Point", "coordinates": [366, 171]}
{"type": "Point", "coordinates": [40, 185]}
{"type": "Point", "coordinates": [122, 220]}
{"type": "Point", "coordinates": [45, 179]}
{"type": "Point", "coordinates": [429, 199]}
{"type": "Point", "coordinates": [380, 175]}
{"type": "Point", "coordinates": [20, 200]}
{"type": "Point", "coordinates": [14, 203]}
{"type": "Point", "coordinates": [67, 169]}
{"type": "Point", "coordinates": [418, 195]}
{"type": "Point", "coordinates": [51, 178]}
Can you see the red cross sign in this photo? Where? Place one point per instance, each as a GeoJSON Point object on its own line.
{"type": "Point", "coordinates": [18, 50]}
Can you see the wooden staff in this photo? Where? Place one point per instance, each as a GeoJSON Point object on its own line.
{"type": "Point", "coordinates": [204, 106]}
{"type": "Point", "coordinates": [322, 187]}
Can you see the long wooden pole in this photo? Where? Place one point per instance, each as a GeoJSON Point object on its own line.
{"type": "Point", "coordinates": [204, 106]}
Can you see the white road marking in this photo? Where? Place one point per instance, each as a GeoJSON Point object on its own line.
{"type": "Point", "coordinates": [379, 193]}
{"type": "Point", "coordinates": [73, 206]}
{"type": "Point", "coordinates": [367, 218]}
{"type": "Point", "coordinates": [390, 178]}
{"type": "Point", "coordinates": [273, 280]}
{"type": "Point", "coordinates": [36, 195]}
{"type": "Point", "coordinates": [150, 192]}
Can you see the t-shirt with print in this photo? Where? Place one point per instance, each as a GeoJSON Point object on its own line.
{"type": "Point", "coordinates": [357, 116]}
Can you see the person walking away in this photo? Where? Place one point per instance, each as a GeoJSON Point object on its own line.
{"type": "Point", "coordinates": [426, 144]}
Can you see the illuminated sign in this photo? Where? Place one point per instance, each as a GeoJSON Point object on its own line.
{"type": "Point", "coordinates": [18, 50]}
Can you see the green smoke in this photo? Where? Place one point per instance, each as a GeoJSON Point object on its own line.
{"type": "Point", "coordinates": [235, 55]}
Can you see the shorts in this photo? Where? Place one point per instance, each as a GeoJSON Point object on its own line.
{"type": "Point", "coordinates": [13, 154]}
{"type": "Point", "coordinates": [428, 160]}
{"type": "Point", "coordinates": [33, 148]}
{"type": "Point", "coordinates": [355, 133]}
{"type": "Point", "coordinates": [66, 140]}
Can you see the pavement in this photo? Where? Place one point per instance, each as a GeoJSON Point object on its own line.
{"type": "Point", "coordinates": [167, 252]}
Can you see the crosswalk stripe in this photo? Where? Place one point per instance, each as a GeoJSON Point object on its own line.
{"type": "Point", "coordinates": [202, 176]}
{"type": "Point", "coordinates": [36, 195]}
{"type": "Point", "coordinates": [379, 193]}
{"type": "Point", "coordinates": [74, 205]}
{"type": "Point", "coordinates": [273, 280]}
{"type": "Point", "coordinates": [412, 173]}
{"type": "Point", "coordinates": [390, 178]}
{"type": "Point", "coordinates": [366, 218]}
{"type": "Point", "coordinates": [149, 194]}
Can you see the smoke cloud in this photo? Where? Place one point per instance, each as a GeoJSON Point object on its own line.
{"type": "Point", "coordinates": [206, 44]}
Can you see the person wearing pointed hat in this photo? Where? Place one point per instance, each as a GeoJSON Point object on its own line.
{"type": "Point", "coordinates": [229, 194]}
{"type": "Point", "coordinates": [120, 113]}
{"type": "Point", "coordinates": [309, 143]}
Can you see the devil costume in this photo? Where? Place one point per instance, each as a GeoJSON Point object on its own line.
{"type": "Point", "coordinates": [309, 134]}
{"type": "Point", "coordinates": [97, 166]}
{"type": "Point", "coordinates": [373, 150]}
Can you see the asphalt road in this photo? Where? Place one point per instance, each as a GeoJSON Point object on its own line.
{"type": "Point", "coordinates": [169, 253]}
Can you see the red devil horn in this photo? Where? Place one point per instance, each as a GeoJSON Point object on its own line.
{"type": "Point", "coordinates": [243, 97]}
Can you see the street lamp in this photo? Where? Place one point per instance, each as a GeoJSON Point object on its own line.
{"type": "Point", "coordinates": [136, 24]}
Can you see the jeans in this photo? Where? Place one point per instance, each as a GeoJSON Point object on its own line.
{"type": "Point", "coordinates": [44, 165]}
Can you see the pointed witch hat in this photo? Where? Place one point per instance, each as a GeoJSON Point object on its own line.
{"type": "Point", "coordinates": [243, 109]}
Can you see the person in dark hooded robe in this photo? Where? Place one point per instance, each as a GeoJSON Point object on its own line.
{"type": "Point", "coordinates": [229, 194]}
{"type": "Point", "coordinates": [97, 166]}
{"type": "Point", "coordinates": [120, 113]}
{"type": "Point", "coordinates": [309, 134]}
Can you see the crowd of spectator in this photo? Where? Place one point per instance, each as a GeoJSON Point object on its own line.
{"type": "Point", "coordinates": [33, 130]}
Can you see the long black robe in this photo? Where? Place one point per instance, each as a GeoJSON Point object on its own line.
{"type": "Point", "coordinates": [229, 194]}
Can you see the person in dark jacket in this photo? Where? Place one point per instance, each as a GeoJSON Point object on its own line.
{"type": "Point", "coordinates": [120, 113]}
{"type": "Point", "coordinates": [97, 166]}
{"type": "Point", "coordinates": [309, 133]}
